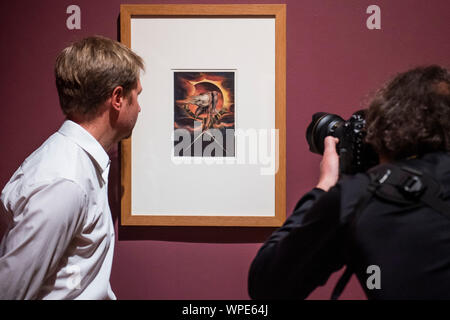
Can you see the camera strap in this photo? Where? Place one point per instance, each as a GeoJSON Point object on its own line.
{"type": "Point", "coordinates": [402, 185]}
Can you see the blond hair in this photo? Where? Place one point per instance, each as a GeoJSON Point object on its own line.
{"type": "Point", "coordinates": [87, 72]}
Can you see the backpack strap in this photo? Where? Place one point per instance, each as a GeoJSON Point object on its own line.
{"type": "Point", "coordinates": [402, 185]}
{"type": "Point", "coordinates": [374, 184]}
{"type": "Point", "coordinates": [409, 186]}
{"type": "Point", "coordinates": [342, 282]}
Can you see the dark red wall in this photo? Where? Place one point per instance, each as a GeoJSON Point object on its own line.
{"type": "Point", "coordinates": [334, 63]}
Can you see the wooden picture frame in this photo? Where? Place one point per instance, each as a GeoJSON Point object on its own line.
{"type": "Point", "coordinates": [277, 13]}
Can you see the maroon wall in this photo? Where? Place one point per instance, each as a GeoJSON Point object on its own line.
{"type": "Point", "coordinates": [334, 62]}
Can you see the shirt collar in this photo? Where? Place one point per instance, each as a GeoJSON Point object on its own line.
{"type": "Point", "coordinates": [87, 142]}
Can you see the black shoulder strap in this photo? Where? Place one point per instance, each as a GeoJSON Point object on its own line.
{"type": "Point", "coordinates": [402, 185]}
{"type": "Point", "coordinates": [409, 186]}
{"type": "Point", "coordinates": [362, 203]}
{"type": "Point", "coordinates": [342, 282]}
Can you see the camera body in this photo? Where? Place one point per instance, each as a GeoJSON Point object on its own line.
{"type": "Point", "coordinates": [354, 154]}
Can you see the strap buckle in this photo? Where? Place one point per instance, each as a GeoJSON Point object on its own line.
{"type": "Point", "coordinates": [412, 186]}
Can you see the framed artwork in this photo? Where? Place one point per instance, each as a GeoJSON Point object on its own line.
{"type": "Point", "coordinates": [204, 102]}
{"type": "Point", "coordinates": [209, 145]}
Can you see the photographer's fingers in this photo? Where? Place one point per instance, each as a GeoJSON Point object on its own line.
{"type": "Point", "coordinates": [330, 144]}
{"type": "Point", "coordinates": [329, 166]}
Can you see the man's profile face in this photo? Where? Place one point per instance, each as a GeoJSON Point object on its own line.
{"type": "Point", "coordinates": [131, 110]}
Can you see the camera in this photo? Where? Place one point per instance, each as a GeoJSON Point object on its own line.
{"type": "Point", "coordinates": [354, 154]}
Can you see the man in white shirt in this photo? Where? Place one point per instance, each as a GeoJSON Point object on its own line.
{"type": "Point", "coordinates": [60, 238]}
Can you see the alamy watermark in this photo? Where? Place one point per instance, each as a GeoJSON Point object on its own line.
{"type": "Point", "coordinates": [73, 21]}
{"type": "Point", "coordinates": [374, 20]}
{"type": "Point", "coordinates": [74, 280]}
{"type": "Point", "coordinates": [258, 147]}
{"type": "Point", "coordinates": [374, 280]}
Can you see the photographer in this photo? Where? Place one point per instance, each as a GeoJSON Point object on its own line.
{"type": "Point", "coordinates": [396, 216]}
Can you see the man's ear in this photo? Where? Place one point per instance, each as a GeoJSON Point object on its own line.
{"type": "Point", "coordinates": [117, 98]}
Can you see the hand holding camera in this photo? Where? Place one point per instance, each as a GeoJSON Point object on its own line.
{"type": "Point", "coordinates": [354, 154]}
{"type": "Point", "coordinates": [329, 166]}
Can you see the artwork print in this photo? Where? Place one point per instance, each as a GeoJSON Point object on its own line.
{"type": "Point", "coordinates": [204, 113]}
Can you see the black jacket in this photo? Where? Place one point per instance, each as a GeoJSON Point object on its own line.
{"type": "Point", "coordinates": [410, 244]}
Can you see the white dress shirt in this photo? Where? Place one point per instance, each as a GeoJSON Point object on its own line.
{"type": "Point", "coordinates": [60, 240]}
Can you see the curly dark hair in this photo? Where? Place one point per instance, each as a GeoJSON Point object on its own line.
{"type": "Point", "coordinates": [410, 115]}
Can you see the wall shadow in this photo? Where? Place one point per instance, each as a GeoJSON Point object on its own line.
{"type": "Point", "coordinates": [195, 234]}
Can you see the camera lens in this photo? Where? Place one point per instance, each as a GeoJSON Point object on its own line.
{"type": "Point", "coordinates": [322, 125]}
